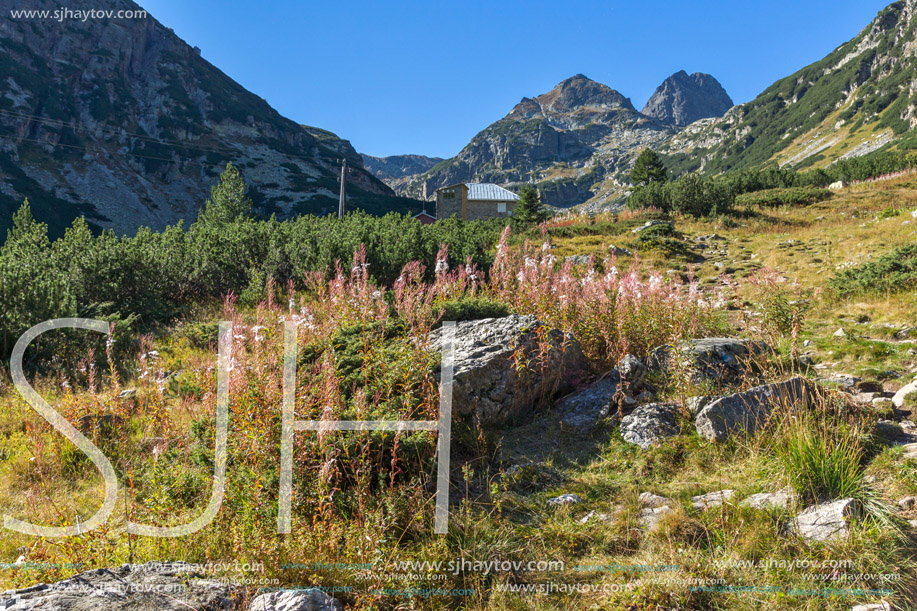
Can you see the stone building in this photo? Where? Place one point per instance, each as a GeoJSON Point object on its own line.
{"type": "Point", "coordinates": [472, 200]}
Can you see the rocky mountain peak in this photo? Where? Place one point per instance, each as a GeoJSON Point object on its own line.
{"type": "Point", "coordinates": [682, 99]}
{"type": "Point", "coordinates": [579, 91]}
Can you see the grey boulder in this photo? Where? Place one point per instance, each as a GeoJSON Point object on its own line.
{"type": "Point", "coordinates": [505, 367]}
{"type": "Point", "coordinates": [824, 522]}
{"type": "Point", "coordinates": [746, 411]}
{"type": "Point", "coordinates": [586, 408]}
{"type": "Point", "coordinates": [711, 358]}
{"type": "Point", "coordinates": [649, 424]}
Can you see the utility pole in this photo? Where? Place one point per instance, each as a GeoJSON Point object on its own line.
{"type": "Point", "coordinates": [342, 201]}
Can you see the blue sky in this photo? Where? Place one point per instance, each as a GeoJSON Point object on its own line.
{"type": "Point", "coordinates": [424, 77]}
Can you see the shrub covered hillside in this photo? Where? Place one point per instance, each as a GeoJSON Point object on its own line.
{"type": "Point", "coordinates": [155, 276]}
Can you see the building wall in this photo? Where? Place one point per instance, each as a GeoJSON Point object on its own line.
{"type": "Point", "coordinates": [449, 202]}
{"type": "Point", "coordinates": [480, 209]}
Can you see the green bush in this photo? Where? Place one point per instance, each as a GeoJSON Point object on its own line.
{"type": "Point", "coordinates": [155, 276]}
{"type": "Point", "coordinates": [891, 273]}
{"type": "Point", "coordinates": [691, 194]}
{"type": "Point", "coordinates": [473, 308]}
{"type": "Point", "coordinates": [788, 196]}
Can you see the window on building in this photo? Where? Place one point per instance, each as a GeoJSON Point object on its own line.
{"type": "Point", "coordinates": [501, 207]}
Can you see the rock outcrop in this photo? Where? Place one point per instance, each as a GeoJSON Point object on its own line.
{"type": "Point", "coordinates": [159, 586]}
{"type": "Point", "coordinates": [711, 358]}
{"type": "Point", "coordinates": [588, 407]}
{"type": "Point", "coordinates": [162, 586]}
{"type": "Point", "coordinates": [746, 411]}
{"type": "Point", "coordinates": [503, 371]}
{"type": "Point", "coordinates": [682, 99]}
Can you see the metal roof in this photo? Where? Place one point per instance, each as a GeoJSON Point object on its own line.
{"type": "Point", "coordinates": [489, 191]}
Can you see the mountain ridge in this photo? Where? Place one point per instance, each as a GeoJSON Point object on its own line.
{"type": "Point", "coordinates": [133, 127]}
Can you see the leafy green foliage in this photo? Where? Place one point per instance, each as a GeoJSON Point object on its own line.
{"type": "Point", "coordinates": [648, 168]}
{"type": "Point", "coordinates": [891, 273]}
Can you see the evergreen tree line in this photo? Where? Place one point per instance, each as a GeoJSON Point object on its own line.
{"type": "Point", "coordinates": [700, 195]}
{"type": "Point", "coordinates": [157, 275]}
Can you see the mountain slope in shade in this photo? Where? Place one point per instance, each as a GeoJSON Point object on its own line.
{"type": "Point", "coordinates": [682, 99]}
{"type": "Point", "coordinates": [861, 97]}
{"type": "Point", "coordinates": [576, 142]}
{"type": "Point", "coordinates": [395, 168]}
{"type": "Point", "coordinates": [122, 121]}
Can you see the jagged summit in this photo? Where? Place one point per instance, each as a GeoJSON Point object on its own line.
{"type": "Point", "coordinates": [682, 99]}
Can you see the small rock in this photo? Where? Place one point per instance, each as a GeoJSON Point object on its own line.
{"type": "Point", "coordinates": [767, 500]}
{"type": "Point", "coordinates": [807, 343]}
{"type": "Point", "coordinates": [906, 390]}
{"type": "Point", "coordinates": [907, 503]}
{"type": "Point", "coordinates": [632, 372]}
{"type": "Point", "coordinates": [650, 423]}
{"type": "Point", "coordinates": [578, 259]}
{"type": "Point", "coordinates": [295, 600]}
{"type": "Point", "coordinates": [913, 523]}
{"type": "Point", "coordinates": [565, 499]}
{"type": "Point", "coordinates": [824, 522]}
{"type": "Point", "coordinates": [619, 252]}
{"type": "Point", "coordinates": [841, 379]}
{"type": "Point", "coordinates": [649, 224]}
{"type": "Point", "coordinates": [707, 501]}
{"type": "Point", "coordinates": [840, 333]}
{"type": "Point", "coordinates": [910, 451]}
{"type": "Point", "coordinates": [882, 606]}
{"type": "Point", "coordinates": [695, 404]}
{"type": "Point", "coordinates": [596, 515]}
{"type": "Point", "coordinates": [651, 516]}
{"type": "Point", "coordinates": [648, 499]}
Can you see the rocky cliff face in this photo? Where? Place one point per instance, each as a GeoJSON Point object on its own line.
{"type": "Point", "coordinates": [682, 99]}
{"type": "Point", "coordinates": [859, 98]}
{"type": "Point", "coordinates": [120, 120]}
{"type": "Point", "coordinates": [577, 142]}
{"type": "Point", "coordinates": [398, 166]}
